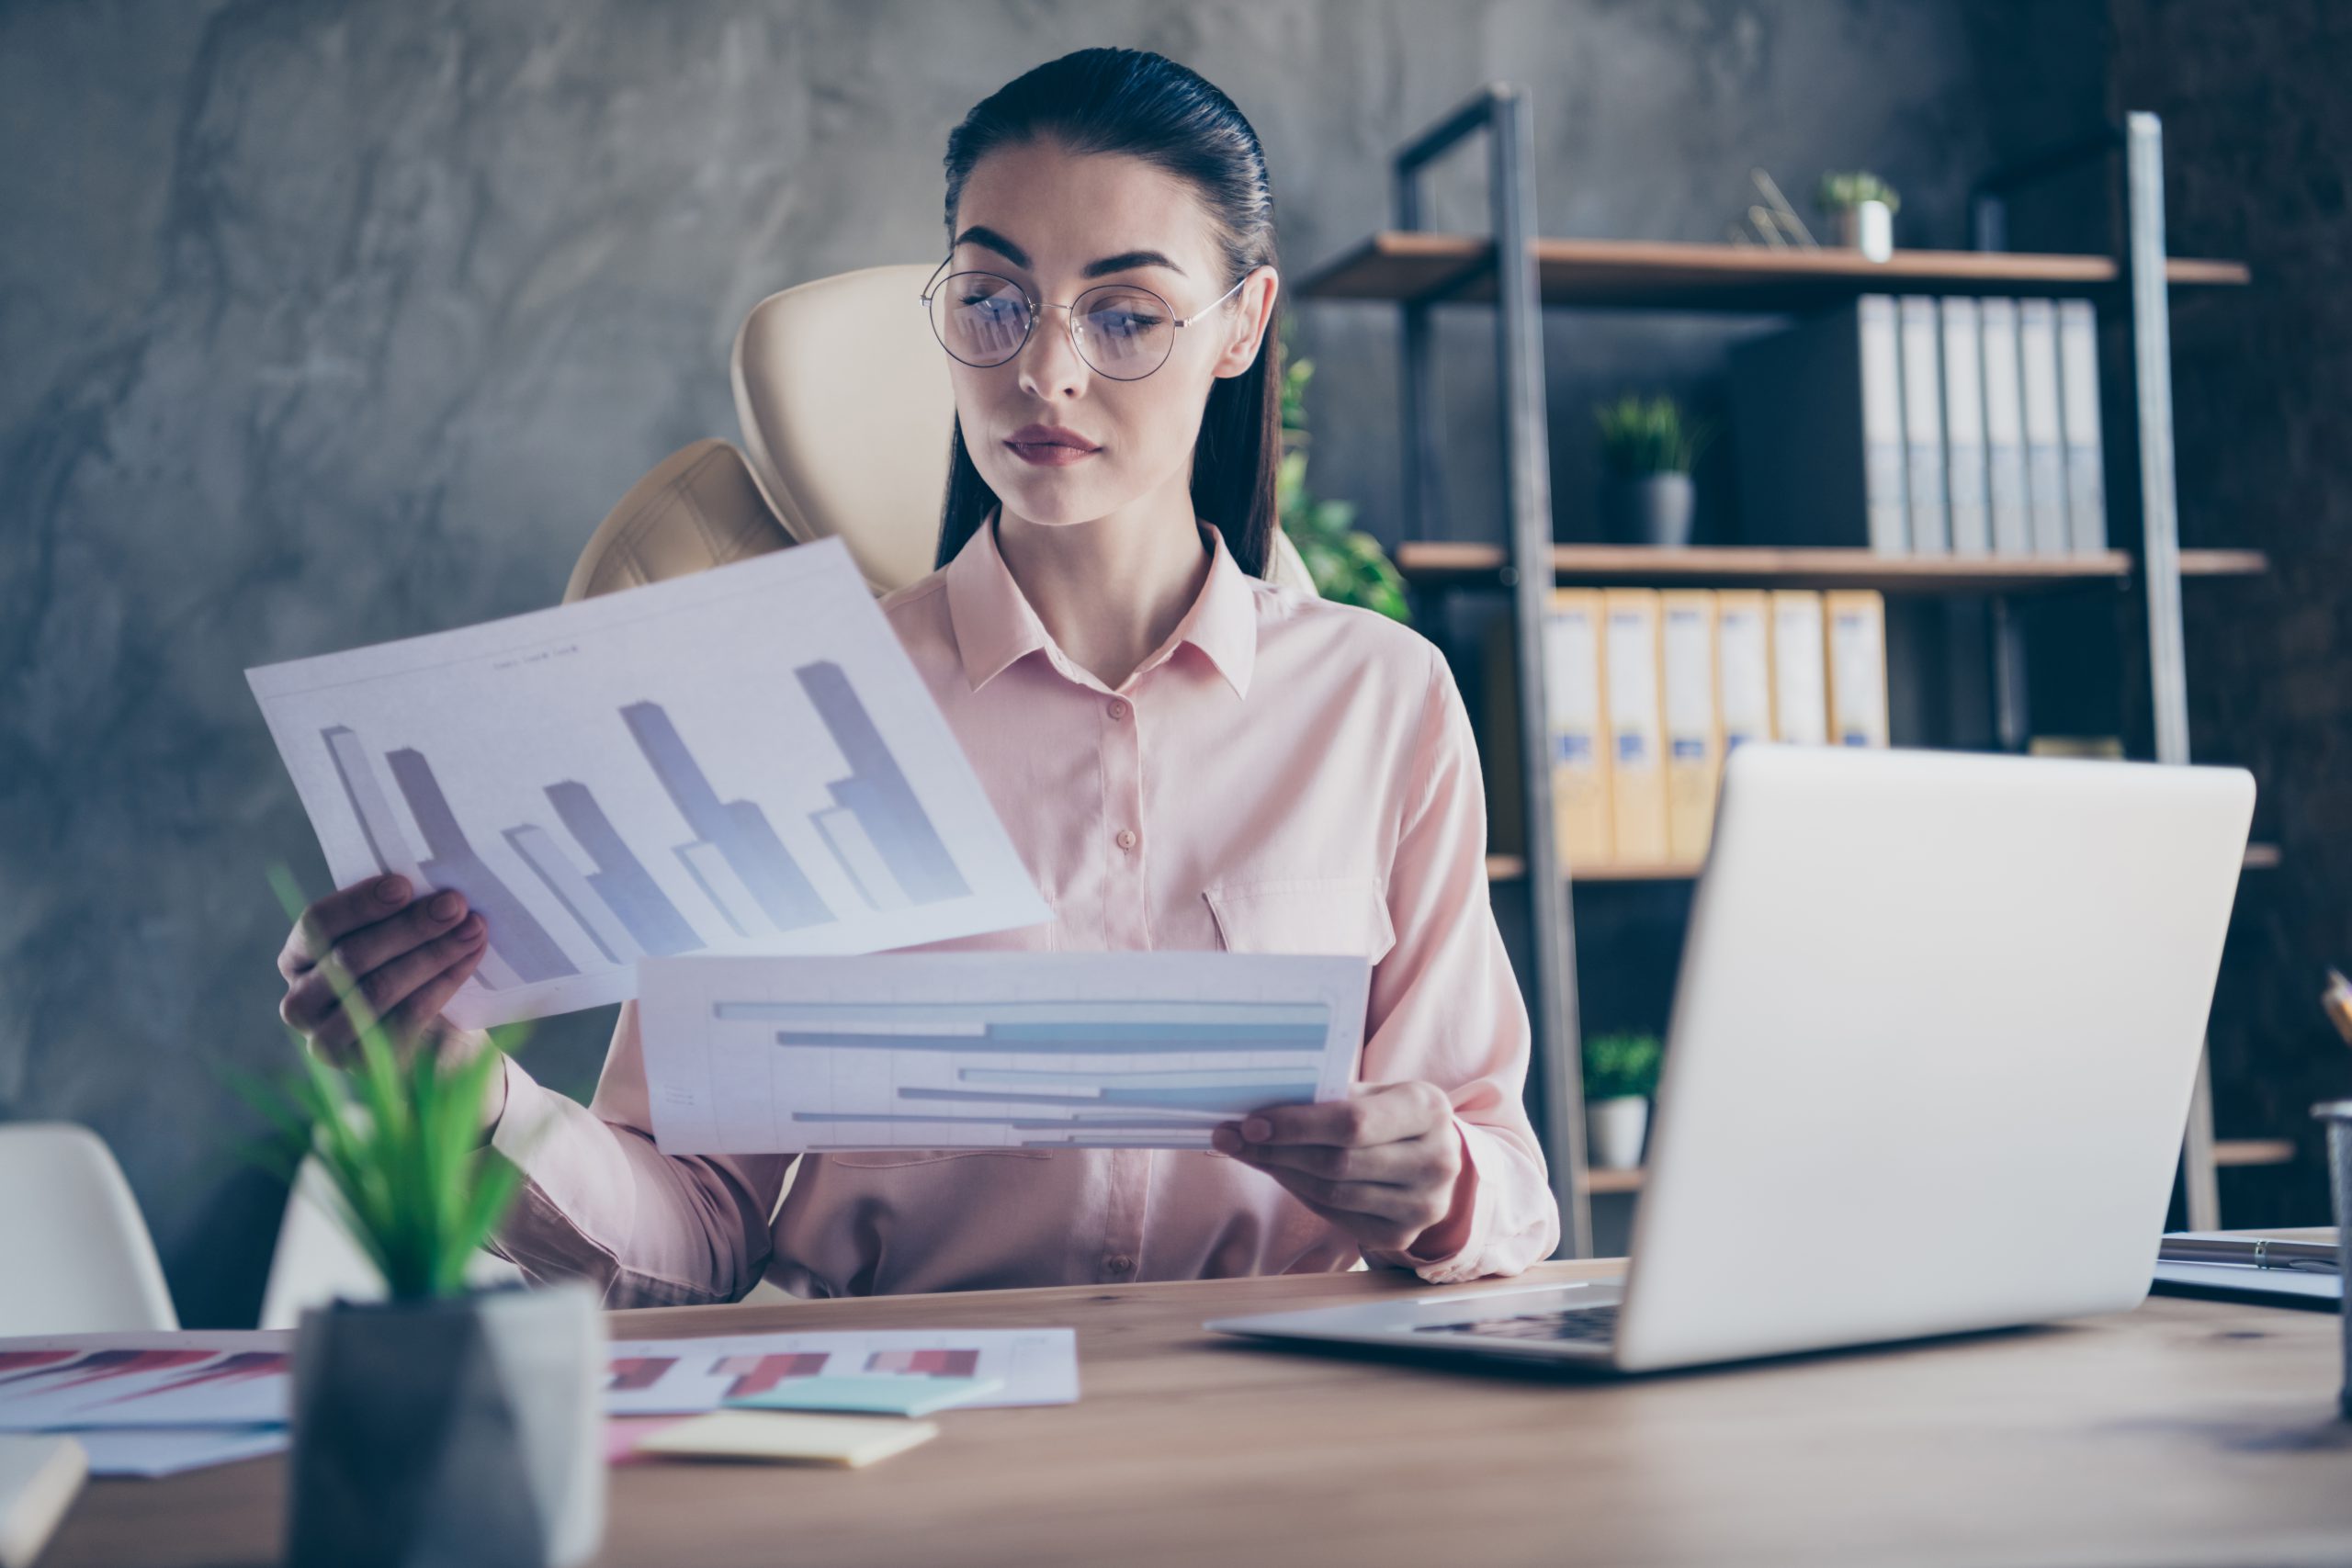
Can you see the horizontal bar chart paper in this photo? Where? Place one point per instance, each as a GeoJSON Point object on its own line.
{"type": "Point", "coordinates": [739, 761]}
{"type": "Point", "coordinates": [989, 1050]}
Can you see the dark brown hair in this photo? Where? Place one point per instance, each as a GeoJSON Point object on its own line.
{"type": "Point", "coordinates": [1148, 107]}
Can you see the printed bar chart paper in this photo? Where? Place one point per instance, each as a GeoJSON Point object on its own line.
{"type": "Point", "coordinates": [989, 1050]}
{"type": "Point", "coordinates": [741, 761]}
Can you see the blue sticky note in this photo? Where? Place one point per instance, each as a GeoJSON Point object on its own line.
{"type": "Point", "coordinates": [870, 1394]}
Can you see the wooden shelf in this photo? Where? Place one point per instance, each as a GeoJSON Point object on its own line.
{"type": "Point", "coordinates": [1404, 266]}
{"type": "Point", "coordinates": [1510, 868]}
{"type": "Point", "coordinates": [1596, 1181]}
{"type": "Point", "coordinates": [1452, 562]}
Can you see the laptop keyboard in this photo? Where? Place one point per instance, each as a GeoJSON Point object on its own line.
{"type": "Point", "coordinates": [1596, 1324]}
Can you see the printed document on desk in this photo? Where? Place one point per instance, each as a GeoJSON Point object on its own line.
{"type": "Point", "coordinates": [741, 761]}
{"type": "Point", "coordinates": [989, 1050]}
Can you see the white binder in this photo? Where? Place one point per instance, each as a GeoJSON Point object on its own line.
{"type": "Point", "coordinates": [2079, 416]}
{"type": "Point", "coordinates": [2045, 453]}
{"type": "Point", "coordinates": [1923, 425]}
{"type": "Point", "coordinates": [2004, 487]}
{"type": "Point", "coordinates": [1964, 467]}
{"type": "Point", "coordinates": [1800, 669]}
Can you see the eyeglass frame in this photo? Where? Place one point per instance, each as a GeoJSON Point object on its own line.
{"type": "Point", "coordinates": [1037, 308]}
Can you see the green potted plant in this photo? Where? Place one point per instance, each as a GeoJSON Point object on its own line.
{"type": "Point", "coordinates": [1620, 1076]}
{"type": "Point", "coordinates": [1347, 564]}
{"type": "Point", "coordinates": [1647, 450]}
{"type": "Point", "coordinates": [1864, 207]}
{"type": "Point", "coordinates": [445, 1423]}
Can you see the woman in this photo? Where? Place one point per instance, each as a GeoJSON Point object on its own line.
{"type": "Point", "coordinates": [1186, 756]}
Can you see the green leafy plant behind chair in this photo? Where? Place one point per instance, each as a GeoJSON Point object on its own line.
{"type": "Point", "coordinates": [1347, 564]}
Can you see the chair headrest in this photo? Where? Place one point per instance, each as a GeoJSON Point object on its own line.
{"type": "Point", "coordinates": [846, 409]}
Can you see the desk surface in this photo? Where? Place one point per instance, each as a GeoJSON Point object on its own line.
{"type": "Point", "coordinates": [2187, 1432]}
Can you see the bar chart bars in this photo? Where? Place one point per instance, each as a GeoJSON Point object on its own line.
{"type": "Point", "coordinates": [520, 947]}
{"type": "Point", "coordinates": [883, 842]}
{"type": "Point", "coordinates": [736, 857]}
{"type": "Point", "coordinates": [1156, 1071]}
{"type": "Point", "coordinates": [877, 824]}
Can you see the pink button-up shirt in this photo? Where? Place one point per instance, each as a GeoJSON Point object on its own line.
{"type": "Point", "coordinates": [1283, 775]}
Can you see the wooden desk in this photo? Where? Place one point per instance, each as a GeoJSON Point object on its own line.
{"type": "Point", "coordinates": [2187, 1432]}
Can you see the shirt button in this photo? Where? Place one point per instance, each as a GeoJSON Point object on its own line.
{"type": "Point", "coordinates": [1127, 838]}
{"type": "Point", "coordinates": [1118, 1263]}
{"type": "Point", "coordinates": [1118, 708]}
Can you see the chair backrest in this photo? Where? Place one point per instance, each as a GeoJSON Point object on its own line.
{"type": "Point", "coordinates": [316, 1261]}
{"type": "Point", "coordinates": [845, 407]}
{"type": "Point", "coordinates": [74, 1253]}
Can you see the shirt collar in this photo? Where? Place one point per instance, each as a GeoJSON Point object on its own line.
{"type": "Point", "coordinates": [995, 625]}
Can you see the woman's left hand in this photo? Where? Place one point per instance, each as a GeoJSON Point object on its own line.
{"type": "Point", "coordinates": [1384, 1163]}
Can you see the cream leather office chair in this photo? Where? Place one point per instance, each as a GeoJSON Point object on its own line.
{"type": "Point", "coordinates": [845, 407]}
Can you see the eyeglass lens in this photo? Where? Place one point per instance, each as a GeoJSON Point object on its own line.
{"type": "Point", "coordinates": [982, 319]}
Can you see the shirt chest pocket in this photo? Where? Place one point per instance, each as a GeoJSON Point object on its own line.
{"type": "Point", "coordinates": [1316, 914]}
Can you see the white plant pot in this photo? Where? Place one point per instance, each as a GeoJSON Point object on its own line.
{"type": "Point", "coordinates": [1618, 1125]}
{"type": "Point", "coordinates": [1868, 226]}
{"type": "Point", "coordinates": [455, 1431]}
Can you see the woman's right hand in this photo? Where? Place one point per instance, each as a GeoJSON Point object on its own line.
{"type": "Point", "coordinates": [402, 957]}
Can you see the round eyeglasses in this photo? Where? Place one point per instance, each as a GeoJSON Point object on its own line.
{"type": "Point", "coordinates": [1122, 331]}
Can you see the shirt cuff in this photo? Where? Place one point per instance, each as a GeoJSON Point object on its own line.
{"type": "Point", "coordinates": [1460, 1263]}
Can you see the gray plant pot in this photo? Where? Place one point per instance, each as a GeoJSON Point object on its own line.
{"type": "Point", "coordinates": [460, 1431]}
{"type": "Point", "coordinates": [1653, 510]}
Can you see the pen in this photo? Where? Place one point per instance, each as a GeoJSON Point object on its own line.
{"type": "Point", "coordinates": [2251, 1252]}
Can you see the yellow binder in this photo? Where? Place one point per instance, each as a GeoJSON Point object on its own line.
{"type": "Point", "coordinates": [1694, 731]}
{"type": "Point", "coordinates": [1858, 667]}
{"type": "Point", "coordinates": [1744, 665]}
{"type": "Point", "coordinates": [1800, 668]}
{"type": "Point", "coordinates": [1630, 663]}
{"type": "Point", "coordinates": [1579, 755]}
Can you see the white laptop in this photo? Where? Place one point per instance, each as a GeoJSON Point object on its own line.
{"type": "Point", "coordinates": [1931, 1054]}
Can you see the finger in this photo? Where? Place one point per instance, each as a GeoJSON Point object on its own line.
{"type": "Point", "coordinates": [1395, 1225]}
{"type": "Point", "coordinates": [1373, 1113]}
{"type": "Point", "coordinates": [345, 909]}
{"type": "Point", "coordinates": [362, 952]}
{"type": "Point", "coordinates": [382, 992]}
{"type": "Point", "coordinates": [1405, 1162]}
{"type": "Point", "coordinates": [418, 1013]}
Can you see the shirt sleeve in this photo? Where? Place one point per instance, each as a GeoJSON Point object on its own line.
{"type": "Point", "coordinates": [1445, 1007]}
{"type": "Point", "coordinates": [599, 1201]}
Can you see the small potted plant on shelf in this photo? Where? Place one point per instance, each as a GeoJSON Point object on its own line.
{"type": "Point", "coordinates": [1620, 1076]}
{"type": "Point", "coordinates": [1647, 448]}
{"type": "Point", "coordinates": [446, 1423]}
{"type": "Point", "coordinates": [1864, 207]}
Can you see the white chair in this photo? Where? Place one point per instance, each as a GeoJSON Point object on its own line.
{"type": "Point", "coordinates": [316, 1260]}
{"type": "Point", "coordinates": [74, 1253]}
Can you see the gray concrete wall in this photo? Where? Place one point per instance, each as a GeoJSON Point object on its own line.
{"type": "Point", "coordinates": [2257, 134]}
{"type": "Point", "coordinates": [322, 324]}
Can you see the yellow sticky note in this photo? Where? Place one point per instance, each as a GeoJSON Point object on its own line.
{"type": "Point", "coordinates": [796, 1439]}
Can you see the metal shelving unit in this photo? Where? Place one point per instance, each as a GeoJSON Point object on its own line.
{"type": "Point", "coordinates": [1517, 275]}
